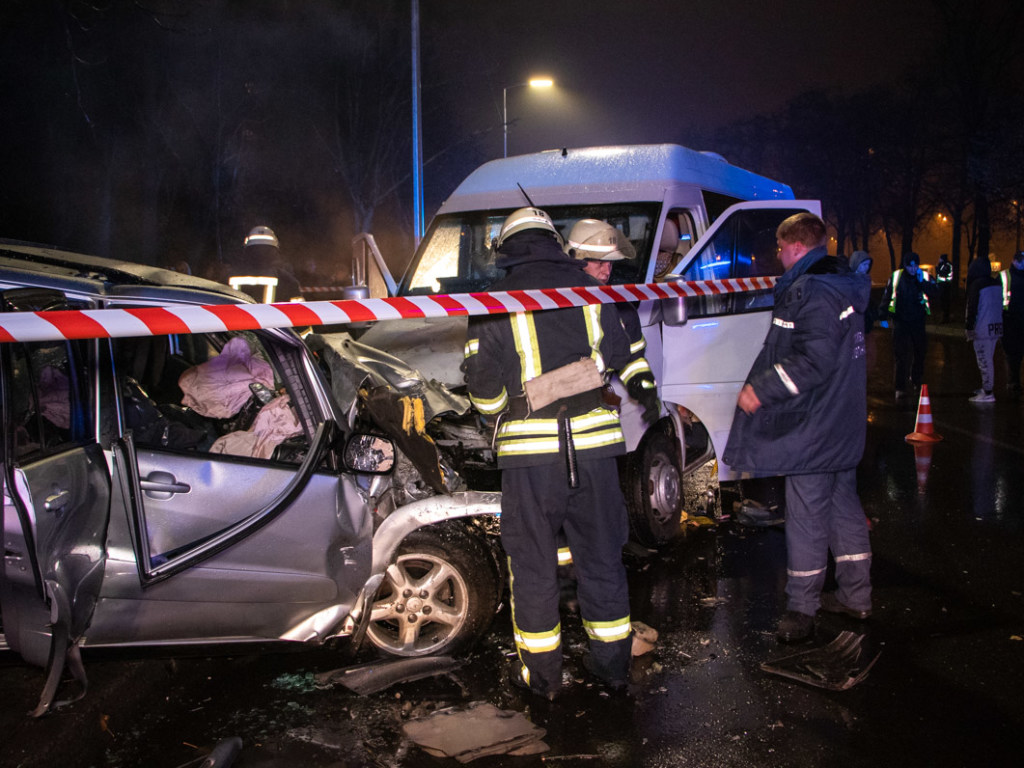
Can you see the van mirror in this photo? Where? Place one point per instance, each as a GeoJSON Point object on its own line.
{"type": "Point", "coordinates": [369, 454]}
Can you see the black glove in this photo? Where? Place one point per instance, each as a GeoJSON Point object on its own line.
{"type": "Point", "coordinates": [643, 389]}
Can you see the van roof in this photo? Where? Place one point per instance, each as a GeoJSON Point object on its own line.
{"type": "Point", "coordinates": [614, 173]}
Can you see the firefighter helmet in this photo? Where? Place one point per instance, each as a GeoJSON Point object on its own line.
{"type": "Point", "coordinates": [595, 240]}
{"type": "Point", "coordinates": [261, 236]}
{"type": "Point", "coordinates": [523, 219]}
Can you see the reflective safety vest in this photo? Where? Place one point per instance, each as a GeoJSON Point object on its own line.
{"type": "Point", "coordinates": [1004, 278]}
{"type": "Point", "coordinates": [895, 284]}
{"type": "Point", "coordinates": [944, 272]}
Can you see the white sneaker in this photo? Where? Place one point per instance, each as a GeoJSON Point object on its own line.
{"type": "Point", "coordinates": [983, 397]}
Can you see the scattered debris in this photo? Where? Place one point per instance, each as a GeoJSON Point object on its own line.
{"type": "Point", "coordinates": [711, 602]}
{"type": "Point", "coordinates": [835, 667]}
{"type": "Point", "coordinates": [757, 515]}
{"type": "Point", "coordinates": [375, 676]}
{"type": "Point", "coordinates": [644, 638]}
{"type": "Point", "coordinates": [554, 758]}
{"type": "Point", "coordinates": [479, 730]}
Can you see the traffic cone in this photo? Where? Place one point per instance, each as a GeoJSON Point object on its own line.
{"type": "Point", "coordinates": [924, 432]}
{"type": "Point", "coordinates": [922, 463]}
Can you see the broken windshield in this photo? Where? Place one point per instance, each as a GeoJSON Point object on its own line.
{"type": "Point", "coordinates": [456, 255]}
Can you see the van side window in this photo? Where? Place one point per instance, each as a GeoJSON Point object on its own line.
{"type": "Point", "coordinates": [677, 237]}
{"type": "Point", "coordinates": [49, 402]}
{"type": "Point", "coordinates": [744, 246]}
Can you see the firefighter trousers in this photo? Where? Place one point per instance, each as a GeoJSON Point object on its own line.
{"type": "Point", "coordinates": [537, 503]}
{"type": "Point", "coordinates": [824, 513]}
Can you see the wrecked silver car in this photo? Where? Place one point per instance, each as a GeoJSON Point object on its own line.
{"type": "Point", "coordinates": [211, 488]}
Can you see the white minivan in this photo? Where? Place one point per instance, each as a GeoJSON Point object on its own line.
{"type": "Point", "coordinates": [690, 216]}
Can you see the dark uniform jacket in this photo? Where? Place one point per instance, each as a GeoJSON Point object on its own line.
{"type": "Point", "coordinates": [504, 351]}
{"type": "Point", "coordinates": [810, 375]}
{"type": "Point", "coordinates": [913, 297]}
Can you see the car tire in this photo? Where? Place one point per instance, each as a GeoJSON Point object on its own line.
{"type": "Point", "coordinates": [654, 491]}
{"type": "Point", "coordinates": [439, 595]}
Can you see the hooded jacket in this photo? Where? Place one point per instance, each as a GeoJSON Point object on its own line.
{"type": "Point", "coordinates": [505, 351]}
{"type": "Point", "coordinates": [810, 376]}
{"type": "Point", "coordinates": [984, 311]}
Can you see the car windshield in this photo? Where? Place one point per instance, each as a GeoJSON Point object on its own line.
{"type": "Point", "coordinates": [456, 255]}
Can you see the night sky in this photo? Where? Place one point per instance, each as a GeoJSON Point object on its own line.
{"type": "Point", "coordinates": [649, 71]}
{"type": "Point", "coordinates": [164, 129]}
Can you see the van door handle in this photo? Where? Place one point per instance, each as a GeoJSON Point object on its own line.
{"type": "Point", "coordinates": [56, 501]}
{"type": "Point", "coordinates": [163, 483]}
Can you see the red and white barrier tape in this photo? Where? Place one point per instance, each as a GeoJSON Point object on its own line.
{"type": "Point", "coordinates": [157, 321]}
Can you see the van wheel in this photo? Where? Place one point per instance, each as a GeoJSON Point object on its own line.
{"type": "Point", "coordinates": [438, 597]}
{"type": "Point", "coordinates": [654, 493]}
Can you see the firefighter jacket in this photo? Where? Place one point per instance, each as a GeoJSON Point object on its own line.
{"type": "Point", "coordinates": [505, 351]}
{"type": "Point", "coordinates": [637, 373]}
{"type": "Point", "coordinates": [907, 298]}
{"type": "Point", "coordinates": [810, 376]}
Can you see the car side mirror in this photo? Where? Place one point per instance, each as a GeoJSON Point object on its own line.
{"type": "Point", "coordinates": [369, 454]}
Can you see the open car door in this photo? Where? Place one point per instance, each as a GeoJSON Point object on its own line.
{"type": "Point", "coordinates": [709, 342]}
{"type": "Point", "coordinates": [56, 494]}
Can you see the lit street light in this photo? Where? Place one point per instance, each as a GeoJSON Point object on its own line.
{"type": "Point", "coordinates": [537, 82]}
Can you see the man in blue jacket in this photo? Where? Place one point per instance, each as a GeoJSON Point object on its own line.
{"type": "Point", "coordinates": [802, 413]}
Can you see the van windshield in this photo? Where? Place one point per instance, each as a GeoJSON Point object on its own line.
{"type": "Point", "coordinates": [456, 254]}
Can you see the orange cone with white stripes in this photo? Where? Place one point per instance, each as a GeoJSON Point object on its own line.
{"type": "Point", "coordinates": [924, 432]}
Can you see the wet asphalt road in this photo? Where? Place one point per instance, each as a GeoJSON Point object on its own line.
{"type": "Point", "coordinates": [946, 689]}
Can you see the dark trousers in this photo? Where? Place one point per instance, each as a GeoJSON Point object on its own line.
{"type": "Point", "coordinates": [823, 512]}
{"type": "Point", "coordinates": [537, 503]}
{"type": "Point", "coordinates": [909, 344]}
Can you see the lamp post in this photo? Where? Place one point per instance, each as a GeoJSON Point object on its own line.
{"type": "Point", "coordinates": [537, 82]}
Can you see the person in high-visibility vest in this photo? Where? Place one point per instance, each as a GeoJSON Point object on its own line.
{"type": "Point", "coordinates": [540, 376]}
{"type": "Point", "coordinates": [906, 302]}
{"type": "Point", "coordinates": [944, 280]}
{"type": "Point", "coordinates": [1012, 282]}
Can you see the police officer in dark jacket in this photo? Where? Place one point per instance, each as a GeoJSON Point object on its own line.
{"type": "Point", "coordinates": [907, 301]}
{"type": "Point", "coordinates": [559, 474]}
{"type": "Point", "coordinates": [803, 413]}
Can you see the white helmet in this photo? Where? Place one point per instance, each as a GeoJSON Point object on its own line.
{"type": "Point", "coordinates": [595, 240]}
{"type": "Point", "coordinates": [523, 219]}
{"type": "Point", "coordinates": [261, 236]}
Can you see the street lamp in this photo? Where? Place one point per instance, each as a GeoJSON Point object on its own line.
{"type": "Point", "coordinates": [537, 82]}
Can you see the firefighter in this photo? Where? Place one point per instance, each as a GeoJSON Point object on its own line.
{"type": "Point", "coordinates": [906, 301]}
{"type": "Point", "coordinates": [540, 376]}
{"type": "Point", "coordinates": [262, 254]}
{"type": "Point", "coordinates": [599, 244]}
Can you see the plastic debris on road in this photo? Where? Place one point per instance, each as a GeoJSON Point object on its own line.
{"type": "Point", "coordinates": [477, 731]}
{"type": "Point", "coordinates": [836, 666]}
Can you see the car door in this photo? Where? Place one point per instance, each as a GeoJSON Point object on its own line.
{"type": "Point", "coordinates": [226, 538]}
{"type": "Point", "coordinates": [708, 349]}
{"type": "Point", "coordinates": [56, 494]}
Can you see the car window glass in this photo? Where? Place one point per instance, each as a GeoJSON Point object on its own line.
{"type": "Point", "coordinates": [208, 393]}
{"type": "Point", "coordinates": [49, 404]}
{"type": "Point", "coordinates": [744, 246]}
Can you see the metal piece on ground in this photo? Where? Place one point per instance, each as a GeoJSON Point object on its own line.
{"type": "Point", "coordinates": [375, 676]}
{"type": "Point", "coordinates": [835, 667]}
